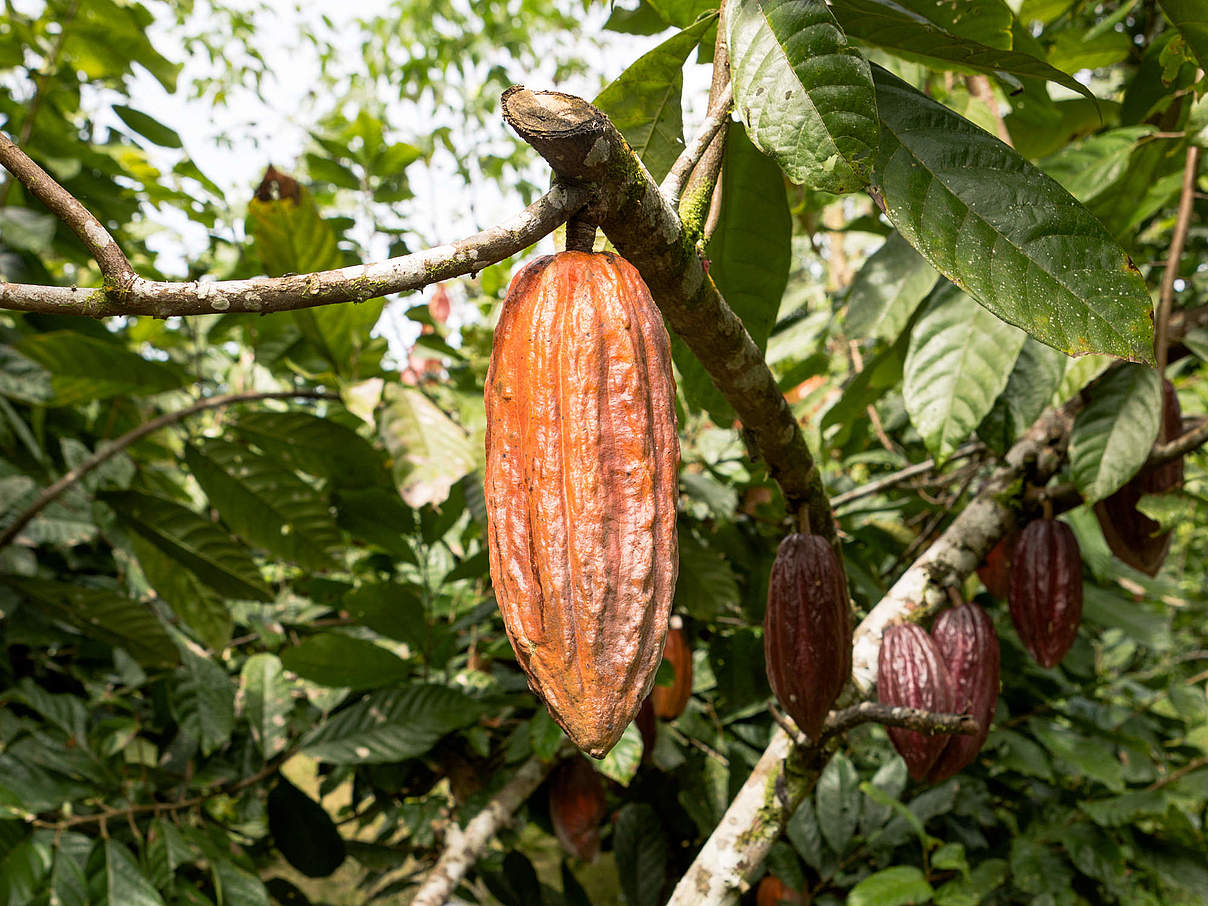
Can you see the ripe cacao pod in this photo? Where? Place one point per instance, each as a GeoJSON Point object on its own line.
{"type": "Point", "coordinates": [995, 570]}
{"type": "Point", "coordinates": [577, 808]}
{"type": "Point", "coordinates": [968, 644]}
{"type": "Point", "coordinates": [1132, 536]}
{"type": "Point", "coordinates": [807, 630]}
{"type": "Point", "coordinates": [774, 892]}
{"type": "Point", "coordinates": [581, 484]}
{"type": "Point", "coordinates": [670, 701]}
{"type": "Point", "coordinates": [1046, 590]}
{"type": "Point", "coordinates": [911, 672]}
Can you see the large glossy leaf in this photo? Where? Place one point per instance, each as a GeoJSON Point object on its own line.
{"type": "Point", "coordinates": [391, 726]}
{"type": "Point", "coordinates": [1190, 17]}
{"type": "Point", "coordinates": [887, 289]}
{"type": "Point", "coordinates": [320, 446]}
{"type": "Point", "coordinates": [390, 608]}
{"type": "Point", "coordinates": [194, 543]}
{"type": "Point", "coordinates": [1005, 232]}
{"type": "Point", "coordinates": [303, 831]}
{"type": "Point", "coordinates": [104, 615]}
{"type": "Point", "coordinates": [334, 659]}
{"type": "Point", "coordinates": [429, 449]}
{"type": "Point", "coordinates": [266, 701]}
{"type": "Point", "coordinates": [198, 606]}
{"type": "Point", "coordinates": [1113, 435]}
{"type": "Point", "coordinates": [803, 92]}
{"type": "Point", "coordinates": [895, 886]}
{"type": "Point", "coordinates": [959, 360]}
{"type": "Point", "coordinates": [987, 22]}
{"type": "Point", "coordinates": [265, 502]}
{"type": "Point", "coordinates": [125, 882]}
{"type": "Point", "coordinates": [643, 102]}
{"type": "Point", "coordinates": [86, 368]}
{"type": "Point", "coordinates": [1090, 167]}
{"type": "Point", "coordinates": [888, 24]}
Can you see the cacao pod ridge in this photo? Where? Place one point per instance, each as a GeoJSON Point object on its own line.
{"type": "Point", "coordinates": [1046, 590]}
{"type": "Point", "coordinates": [911, 672]}
{"type": "Point", "coordinates": [968, 643]}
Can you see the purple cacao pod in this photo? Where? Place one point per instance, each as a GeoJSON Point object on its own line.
{"type": "Point", "coordinates": [968, 644]}
{"type": "Point", "coordinates": [911, 672]}
{"type": "Point", "coordinates": [807, 630]}
{"type": "Point", "coordinates": [1132, 536]}
{"type": "Point", "coordinates": [1046, 590]}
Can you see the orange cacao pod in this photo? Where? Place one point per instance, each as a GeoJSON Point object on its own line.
{"type": "Point", "coordinates": [774, 892]}
{"type": "Point", "coordinates": [577, 808]}
{"type": "Point", "coordinates": [995, 570]}
{"type": "Point", "coordinates": [807, 630]}
{"type": "Point", "coordinates": [1046, 590]}
{"type": "Point", "coordinates": [1132, 536]}
{"type": "Point", "coordinates": [581, 484]}
{"type": "Point", "coordinates": [968, 644]}
{"type": "Point", "coordinates": [911, 673]}
{"type": "Point", "coordinates": [669, 701]}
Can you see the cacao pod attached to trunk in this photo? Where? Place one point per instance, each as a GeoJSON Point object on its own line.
{"type": "Point", "coordinates": [807, 630]}
{"type": "Point", "coordinates": [911, 673]}
{"type": "Point", "coordinates": [1046, 590]}
{"type": "Point", "coordinates": [1132, 536]}
{"type": "Point", "coordinates": [581, 486]}
{"type": "Point", "coordinates": [995, 570]}
{"type": "Point", "coordinates": [577, 807]}
{"type": "Point", "coordinates": [968, 644]}
{"type": "Point", "coordinates": [670, 701]}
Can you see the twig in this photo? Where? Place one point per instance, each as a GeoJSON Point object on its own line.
{"type": "Point", "coordinates": [903, 475]}
{"type": "Point", "coordinates": [1186, 769]}
{"type": "Point", "coordinates": [463, 847]}
{"type": "Point", "coordinates": [125, 293]}
{"type": "Point", "coordinates": [704, 183]}
{"type": "Point", "coordinates": [1178, 240]}
{"type": "Point", "coordinates": [673, 184]}
{"type": "Point", "coordinates": [52, 493]}
{"type": "Point", "coordinates": [926, 722]}
{"type": "Point", "coordinates": [932, 523]}
{"type": "Point", "coordinates": [1189, 440]}
{"type": "Point", "coordinates": [979, 87]}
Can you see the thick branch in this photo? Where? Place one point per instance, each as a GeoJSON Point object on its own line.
{"type": "Point", "coordinates": [464, 847]}
{"type": "Point", "coordinates": [925, 722]}
{"type": "Point", "coordinates": [583, 147]}
{"type": "Point", "coordinates": [103, 454]}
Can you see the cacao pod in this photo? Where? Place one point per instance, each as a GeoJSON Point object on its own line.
{"type": "Point", "coordinates": [581, 484]}
{"type": "Point", "coordinates": [648, 728]}
{"type": "Point", "coordinates": [995, 570]}
{"type": "Point", "coordinates": [968, 644]}
{"type": "Point", "coordinates": [774, 892]}
{"type": "Point", "coordinates": [807, 630]}
{"type": "Point", "coordinates": [912, 673]}
{"type": "Point", "coordinates": [670, 701]}
{"type": "Point", "coordinates": [577, 808]}
{"type": "Point", "coordinates": [1132, 536]}
{"type": "Point", "coordinates": [1046, 590]}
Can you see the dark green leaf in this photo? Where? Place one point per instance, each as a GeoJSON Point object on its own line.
{"type": "Point", "coordinates": [124, 881]}
{"type": "Point", "coordinates": [1113, 435]}
{"type": "Point", "coordinates": [303, 831]}
{"type": "Point", "coordinates": [334, 659]}
{"type": "Point", "coordinates": [198, 606]}
{"type": "Point", "coordinates": [391, 609]}
{"type": "Point", "coordinates": [319, 446]}
{"type": "Point", "coordinates": [887, 289]}
{"type": "Point", "coordinates": [896, 886]}
{"type": "Point", "coordinates": [641, 852]}
{"type": "Point", "coordinates": [148, 127]}
{"type": "Point", "coordinates": [205, 700]}
{"type": "Point", "coordinates": [837, 802]}
{"type": "Point", "coordinates": [84, 368]}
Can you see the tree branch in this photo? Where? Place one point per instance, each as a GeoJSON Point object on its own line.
{"type": "Point", "coordinates": [125, 293]}
{"type": "Point", "coordinates": [464, 847]}
{"type": "Point", "coordinates": [896, 478]}
{"type": "Point", "coordinates": [718, 118]}
{"type": "Point", "coordinates": [1175, 257]}
{"type": "Point", "coordinates": [583, 147]}
{"type": "Point", "coordinates": [925, 722]}
{"type": "Point", "coordinates": [102, 455]}
{"type": "Point", "coordinates": [1191, 439]}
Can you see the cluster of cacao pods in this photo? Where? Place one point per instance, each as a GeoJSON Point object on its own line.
{"type": "Point", "coordinates": [807, 630]}
{"type": "Point", "coordinates": [577, 807]}
{"type": "Point", "coordinates": [1132, 536]}
{"type": "Point", "coordinates": [581, 487]}
{"type": "Point", "coordinates": [954, 670]}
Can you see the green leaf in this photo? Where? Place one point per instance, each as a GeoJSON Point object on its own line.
{"type": "Point", "coordinates": [27, 230]}
{"type": "Point", "coordinates": [707, 586]}
{"type": "Point", "coordinates": [1121, 811]}
{"type": "Point", "coordinates": [267, 701]}
{"type": "Point", "coordinates": [837, 802]}
{"type": "Point", "coordinates": [1147, 624]}
{"type": "Point", "coordinates": [24, 868]}
{"type": "Point", "coordinates": [643, 102]}
{"type": "Point", "coordinates": [236, 887]}
{"type": "Point", "coordinates": [984, 879]}
{"type": "Point", "coordinates": [1004, 232]}
{"type": "Point", "coordinates": [431, 452]}
{"type": "Point", "coordinates": [290, 236]}
{"type": "Point", "coordinates": [1113, 435]}
{"type": "Point", "coordinates": [623, 760]}
{"type": "Point", "coordinates": [391, 726]}
{"type": "Point", "coordinates": [895, 886]}
{"type": "Point", "coordinates": [803, 92]}
{"type": "Point", "coordinates": [265, 502]}
{"type": "Point", "coordinates": [68, 878]}
{"type": "Point", "coordinates": [319, 446]}
{"type": "Point", "coordinates": [303, 831]}
{"type": "Point", "coordinates": [148, 127]}
{"type": "Point", "coordinates": [984, 21]}
{"type": "Point", "coordinates": [1090, 167]}
{"type": "Point", "coordinates": [1191, 19]}
{"type": "Point", "coordinates": [23, 379]}
{"type": "Point", "coordinates": [341, 334]}
{"type": "Point", "coordinates": [104, 615]}
{"type": "Point", "coordinates": [1019, 753]}
{"type": "Point", "coordinates": [198, 606]}
{"type": "Point", "coordinates": [886, 24]}
{"type": "Point", "coordinates": [641, 850]}
{"type": "Point", "coordinates": [193, 542]}
{"type": "Point", "coordinates": [335, 659]}
{"type": "Point", "coordinates": [1036, 869]}
{"type": "Point", "coordinates": [124, 881]}
{"type": "Point", "coordinates": [887, 289]}
{"type": "Point", "coordinates": [890, 780]}
{"type": "Point", "coordinates": [390, 609]}
{"type": "Point", "coordinates": [1031, 385]}
{"type": "Point", "coordinates": [959, 360]}
{"type": "Point", "coordinates": [205, 700]}
{"type": "Point", "coordinates": [85, 368]}
{"type": "Point", "coordinates": [1094, 758]}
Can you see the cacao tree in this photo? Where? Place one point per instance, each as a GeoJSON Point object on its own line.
{"type": "Point", "coordinates": [933, 277]}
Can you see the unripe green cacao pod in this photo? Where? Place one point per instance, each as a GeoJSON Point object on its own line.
{"type": "Point", "coordinates": [1046, 590]}
{"type": "Point", "coordinates": [968, 644]}
{"type": "Point", "coordinates": [911, 673]}
{"type": "Point", "coordinates": [807, 630]}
